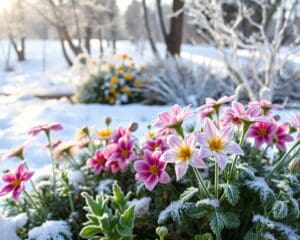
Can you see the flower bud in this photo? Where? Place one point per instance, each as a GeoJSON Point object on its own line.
{"type": "Point", "coordinates": [133, 127]}
{"type": "Point", "coordinates": [107, 121]}
{"type": "Point", "coordinates": [294, 165]}
{"type": "Point", "coordinates": [277, 117]}
{"type": "Point", "coordinates": [161, 232]}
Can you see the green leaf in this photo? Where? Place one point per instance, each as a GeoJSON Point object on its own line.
{"type": "Point", "coordinates": [89, 231]}
{"type": "Point", "coordinates": [104, 222]}
{"type": "Point", "coordinates": [231, 220]}
{"type": "Point", "coordinates": [232, 193]}
{"type": "Point", "coordinates": [127, 218]}
{"type": "Point", "coordinates": [118, 196]}
{"type": "Point", "coordinates": [93, 219]}
{"type": "Point", "coordinates": [124, 231]}
{"type": "Point", "coordinates": [188, 194]}
{"type": "Point", "coordinates": [250, 236]}
{"type": "Point", "coordinates": [94, 207]}
{"type": "Point", "coordinates": [206, 236]}
{"type": "Point", "coordinates": [216, 222]}
{"type": "Point", "coordinates": [197, 212]}
{"type": "Point", "coordinates": [279, 209]}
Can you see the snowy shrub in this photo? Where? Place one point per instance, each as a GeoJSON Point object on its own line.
{"type": "Point", "coordinates": [177, 80]}
{"type": "Point", "coordinates": [51, 230]}
{"type": "Point", "coordinates": [114, 82]}
{"type": "Point", "coordinates": [234, 174]}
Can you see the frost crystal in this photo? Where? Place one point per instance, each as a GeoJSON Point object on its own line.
{"type": "Point", "coordinates": [269, 236]}
{"type": "Point", "coordinates": [141, 206]}
{"type": "Point", "coordinates": [285, 230]}
{"type": "Point", "coordinates": [105, 186]}
{"type": "Point", "coordinates": [174, 210]}
{"type": "Point", "coordinates": [259, 185]}
{"type": "Point", "coordinates": [51, 230]}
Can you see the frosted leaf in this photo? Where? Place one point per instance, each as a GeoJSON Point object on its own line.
{"type": "Point", "coordinates": [269, 236]}
{"type": "Point", "coordinates": [105, 186]}
{"type": "Point", "coordinates": [208, 202]}
{"type": "Point", "coordinates": [259, 185]}
{"type": "Point", "coordinates": [174, 211]}
{"type": "Point", "coordinates": [141, 206]}
{"type": "Point", "coordinates": [51, 230]}
{"type": "Point", "coordinates": [285, 230]}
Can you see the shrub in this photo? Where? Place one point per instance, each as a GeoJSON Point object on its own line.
{"type": "Point", "coordinates": [234, 175]}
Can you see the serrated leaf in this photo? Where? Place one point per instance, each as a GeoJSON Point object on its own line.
{"type": "Point", "coordinates": [94, 207]}
{"type": "Point", "coordinates": [127, 218]}
{"type": "Point", "coordinates": [232, 193]}
{"type": "Point", "coordinates": [216, 222]}
{"type": "Point", "coordinates": [206, 236]}
{"type": "Point", "coordinates": [188, 194]}
{"type": "Point", "coordinates": [89, 231]}
{"type": "Point", "coordinates": [197, 212]}
{"type": "Point", "coordinates": [118, 197]}
{"type": "Point", "coordinates": [93, 219]}
{"type": "Point", "coordinates": [231, 220]}
{"type": "Point", "coordinates": [279, 209]}
{"type": "Point", "coordinates": [124, 231]}
{"type": "Point", "coordinates": [104, 222]}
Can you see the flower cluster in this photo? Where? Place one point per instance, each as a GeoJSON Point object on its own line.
{"type": "Point", "coordinates": [117, 81]}
{"type": "Point", "coordinates": [233, 157]}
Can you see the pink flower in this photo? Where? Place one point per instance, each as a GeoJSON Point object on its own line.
{"type": "Point", "coordinates": [121, 132]}
{"type": "Point", "coordinates": [97, 162]}
{"type": "Point", "coordinates": [218, 143]}
{"type": "Point", "coordinates": [174, 118]}
{"type": "Point", "coordinates": [16, 152]}
{"type": "Point", "coordinates": [281, 137]}
{"type": "Point", "coordinates": [184, 153]}
{"type": "Point", "coordinates": [14, 182]}
{"type": "Point", "coordinates": [237, 113]}
{"type": "Point", "coordinates": [262, 132]}
{"type": "Point", "coordinates": [151, 170]}
{"type": "Point", "coordinates": [45, 128]}
{"type": "Point", "coordinates": [265, 106]}
{"type": "Point", "coordinates": [295, 122]}
{"type": "Point", "coordinates": [207, 112]}
{"type": "Point", "coordinates": [156, 144]}
{"type": "Point", "coordinates": [123, 151]}
{"type": "Point", "coordinates": [114, 166]}
{"type": "Point", "coordinates": [212, 103]}
{"type": "Point", "coordinates": [54, 144]}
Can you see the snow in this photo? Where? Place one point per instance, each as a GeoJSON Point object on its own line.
{"type": "Point", "coordinates": [141, 206]}
{"type": "Point", "coordinates": [10, 225]}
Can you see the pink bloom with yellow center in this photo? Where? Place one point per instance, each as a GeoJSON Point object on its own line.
{"type": "Point", "coordinates": [173, 118]}
{"type": "Point", "coordinates": [281, 137]}
{"type": "Point", "coordinates": [14, 182]}
{"type": "Point", "coordinates": [151, 170]}
{"type": "Point", "coordinates": [218, 143]}
{"type": "Point", "coordinates": [207, 113]}
{"type": "Point", "coordinates": [45, 128]}
{"type": "Point", "coordinates": [237, 114]}
{"type": "Point", "coordinates": [97, 162]}
{"type": "Point", "coordinates": [184, 153]}
{"type": "Point", "coordinates": [123, 151]}
{"type": "Point", "coordinates": [157, 144]}
{"type": "Point", "coordinates": [121, 132]}
{"type": "Point", "coordinates": [295, 122]}
{"type": "Point", "coordinates": [212, 103]}
{"type": "Point", "coordinates": [262, 132]}
{"type": "Point", "coordinates": [265, 106]}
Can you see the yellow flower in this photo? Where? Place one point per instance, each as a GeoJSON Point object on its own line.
{"type": "Point", "coordinates": [82, 132]}
{"type": "Point", "coordinates": [120, 68]}
{"type": "Point", "coordinates": [138, 84]}
{"type": "Point", "coordinates": [111, 100]}
{"type": "Point", "coordinates": [128, 76]}
{"type": "Point", "coordinates": [112, 90]}
{"type": "Point", "coordinates": [123, 89]}
{"type": "Point", "coordinates": [104, 133]}
{"type": "Point", "coordinates": [114, 80]}
{"type": "Point", "coordinates": [124, 57]}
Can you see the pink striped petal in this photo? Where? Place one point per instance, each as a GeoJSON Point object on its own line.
{"type": "Point", "coordinates": [221, 159]}
{"type": "Point", "coordinates": [173, 141]}
{"type": "Point", "coordinates": [180, 170]}
{"type": "Point", "coordinates": [164, 178]}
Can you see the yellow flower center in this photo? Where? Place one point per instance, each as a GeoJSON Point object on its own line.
{"type": "Point", "coordinates": [104, 133]}
{"type": "Point", "coordinates": [262, 132]}
{"type": "Point", "coordinates": [101, 160]}
{"type": "Point", "coordinates": [216, 144]}
{"type": "Point", "coordinates": [114, 80]}
{"type": "Point", "coordinates": [16, 182]}
{"type": "Point", "coordinates": [124, 153]}
{"type": "Point", "coordinates": [153, 169]}
{"type": "Point", "coordinates": [184, 153]}
{"type": "Point", "coordinates": [128, 76]}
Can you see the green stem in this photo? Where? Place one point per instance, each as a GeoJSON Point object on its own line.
{"type": "Point", "coordinates": [218, 236]}
{"type": "Point", "coordinates": [245, 128]}
{"type": "Point", "coordinates": [31, 200]}
{"type": "Point", "coordinates": [216, 180]}
{"type": "Point", "coordinates": [200, 182]}
{"type": "Point", "coordinates": [281, 160]}
{"type": "Point", "coordinates": [52, 161]}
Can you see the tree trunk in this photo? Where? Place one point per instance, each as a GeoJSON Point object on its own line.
{"type": "Point", "coordinates": [87, 41]}
{"type": "Point", "coordinates": [20, 51]}
{"type": "Point", "coordinates": [100, 42]}
{"type": "Point", "coordinates": [175, 36]}
{"type": "Point", "coordinates": [148, 30]}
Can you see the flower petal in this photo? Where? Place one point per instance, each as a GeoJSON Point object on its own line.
{"type": "Point", "coordinates": [164, 178]}
{"type": "Point", "coordinates": [173, 141]}
{"type": "Point", "coordinates": [141, 166]}
{"type": "Point", "coordinates": [180, 170]}
{"type": "Point", "coordinates": [221, 159]}
{"type": "Point", "coordinates": [233, 148]}
{"type": "Point", "coordinates": [8, 177]}
{"type": "Point", "coordinates": [151, 182]}
{"type": "Point", "coordinates": [169, 156]}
